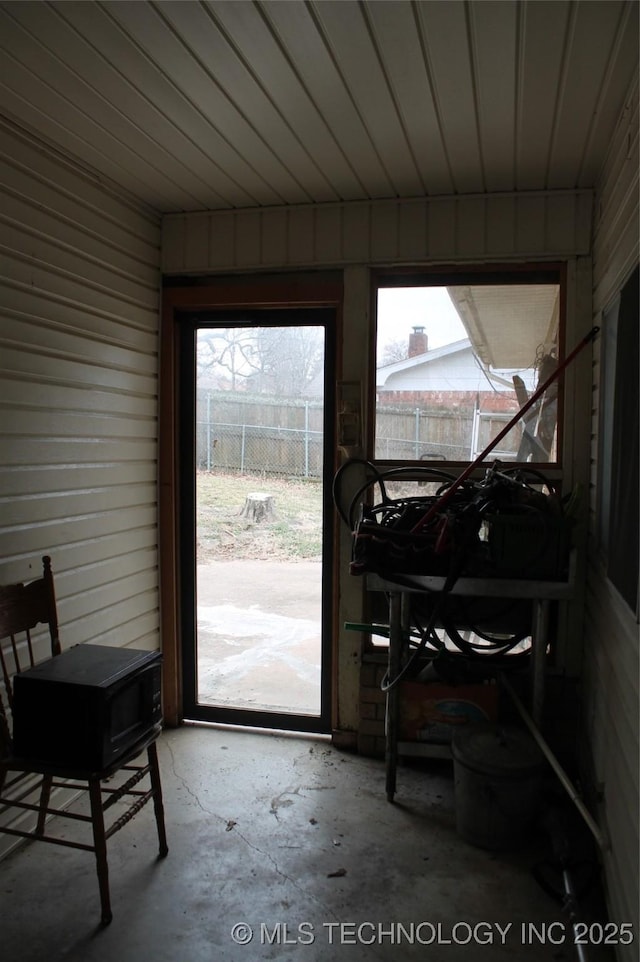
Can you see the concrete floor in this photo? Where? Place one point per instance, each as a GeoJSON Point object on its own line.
{"type": "Point", "coordinates": [289, 839]}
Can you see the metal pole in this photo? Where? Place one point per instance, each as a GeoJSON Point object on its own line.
{"type": "Point", "coordinates": [242, 449]}
{"type": "Point", "coordinates": [475, 430]}
{"type": "Point", "coordinates": [600, 838]}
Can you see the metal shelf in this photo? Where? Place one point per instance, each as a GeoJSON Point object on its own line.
{"type": "Point", "coordinates": [541, 593]}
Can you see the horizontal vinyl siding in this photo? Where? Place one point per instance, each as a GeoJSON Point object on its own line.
{"type": "Point", "coordinates": [79, 279]}
{"type": "Point", "coordinates": [611, 687]}
{"type": "Point", "coordinates": [79, 269]}
{"type": "Point", "coordinates": [535, 225]}
{"type": "Point", "coordinates": [612, 665]}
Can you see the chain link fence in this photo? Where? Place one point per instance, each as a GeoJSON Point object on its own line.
{"type": "Point", "coordinates": [283, 437]}
{"type": "Point", "coordinates": [404, 434]}
{"type": "Point", "coordinates": [263, 436]}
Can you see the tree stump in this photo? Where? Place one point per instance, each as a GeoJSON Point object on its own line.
{"type": "Point", "coordinates": [259, 506]}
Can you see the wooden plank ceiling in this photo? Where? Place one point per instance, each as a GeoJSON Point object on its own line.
{"type": "Point", "coordinates": [229, 104]}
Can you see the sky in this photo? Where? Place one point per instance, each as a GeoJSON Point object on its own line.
{"type": "Point", "coordinates": [402, 308]}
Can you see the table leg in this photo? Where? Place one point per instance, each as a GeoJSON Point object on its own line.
{"type": "Point", "coordinates": [391, 712]}
{"type": "Point", "coordinates": [540, 641]}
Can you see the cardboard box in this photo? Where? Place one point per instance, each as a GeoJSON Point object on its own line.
{"type": "Point", "coordinates": [431, 712]}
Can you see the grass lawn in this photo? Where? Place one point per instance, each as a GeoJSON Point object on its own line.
{"type": "Point", "coordinates": [294, 533]}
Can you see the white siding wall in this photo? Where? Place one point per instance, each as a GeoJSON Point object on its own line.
{"type": "Point", "coordinates": [612, 668]}
{"type": "Point", "coordinates": [79, 283]}
{"type": "Point", "coordinates": [455, 372]}
{"type": "Point", "coordinates": [535, 225]}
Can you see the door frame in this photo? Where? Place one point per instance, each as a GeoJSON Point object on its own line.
{"type": "Point", "coordinates": [181, 296]}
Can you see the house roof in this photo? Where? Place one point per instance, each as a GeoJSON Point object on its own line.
{"type": "Point", "coordinates": [222, 104]}
{"type": "Point", "coordinates": [487, 313]}
{"type": "Point", "coordinates": [418, 360]}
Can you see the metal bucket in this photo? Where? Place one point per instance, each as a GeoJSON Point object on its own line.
{"type": "Point", "coordinates": [497, 773]}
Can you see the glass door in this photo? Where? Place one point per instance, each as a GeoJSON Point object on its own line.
{"type": "Point", "coordinates": [255, 519]}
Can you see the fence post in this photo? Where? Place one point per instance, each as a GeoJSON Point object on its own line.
{"type": "Point", "coordinates": [306, 439]}
{"type": "Point", "coordinates": [242, 449]}
{"type": "Point", "coordinates": [475, 431]}
{"type": "Point", "coordinates": [417, 434]}
{"type": "Point", "coordinates": [208, 431]}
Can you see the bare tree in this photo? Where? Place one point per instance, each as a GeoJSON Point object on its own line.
{"type": "Point", "coordinates": [282, 361]}
{"type": "Point", "coordinates": [292, 357]}
{"type": "Point", "coordinates": [393, 351]}
{"type": "Point", "coordinates": [230, 349]}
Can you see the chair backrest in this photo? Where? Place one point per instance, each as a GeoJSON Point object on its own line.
{"type": "Point", "coordinates": [23, 606]}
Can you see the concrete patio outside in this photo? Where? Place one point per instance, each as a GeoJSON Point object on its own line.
{"type": "Point", "coordinates": [259, 635]}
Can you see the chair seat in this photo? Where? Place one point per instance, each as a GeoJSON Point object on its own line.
{"type": "Point", "coordinates": [27, 781]}
{"type": "Point", "coordinates": [25, 763]}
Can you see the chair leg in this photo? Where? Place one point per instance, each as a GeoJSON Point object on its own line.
{"type": "Point", "coordinates": [158, 807]}
{"type": "Point", "coordinates": [100, 849]}
{"type": "Point", "coordinates": [45, 795]}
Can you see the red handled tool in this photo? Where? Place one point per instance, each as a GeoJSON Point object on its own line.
{"type": "Point", "coordinates": [448, 494]}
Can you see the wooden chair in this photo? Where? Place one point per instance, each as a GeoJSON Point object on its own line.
{"type": "Point", "coordinates": [26, 785]}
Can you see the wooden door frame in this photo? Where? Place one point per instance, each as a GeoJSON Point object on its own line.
{"type": "Point", "coordinates": [190, 295]}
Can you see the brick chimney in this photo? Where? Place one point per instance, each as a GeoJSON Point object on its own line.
{"type": "Point", "coordinates": [418, 343]}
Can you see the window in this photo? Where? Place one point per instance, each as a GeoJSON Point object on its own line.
{"type": "Point", "coordinates": [457, 356]}
{"type": "Point", "coordinates": [619, 486]}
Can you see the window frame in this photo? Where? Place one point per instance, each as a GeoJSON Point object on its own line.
{"type": "Point", "coordinates": [457, 275]}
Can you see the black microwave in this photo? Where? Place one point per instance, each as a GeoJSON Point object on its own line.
{"type": "Point", "coordinates": [86, 707]}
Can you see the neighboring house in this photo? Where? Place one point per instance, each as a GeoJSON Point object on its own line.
{"type": "Point", "coordinates": [446, 377]}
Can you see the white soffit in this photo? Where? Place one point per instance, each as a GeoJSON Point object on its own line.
{"type": "Point", "coordinates": [509, 326]}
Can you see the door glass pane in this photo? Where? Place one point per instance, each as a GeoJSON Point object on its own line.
{"type": "Point", "coordinates": [259, 517]}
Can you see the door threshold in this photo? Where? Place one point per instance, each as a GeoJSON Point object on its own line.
{"type": "Point", "coordinates": [279, 732]}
